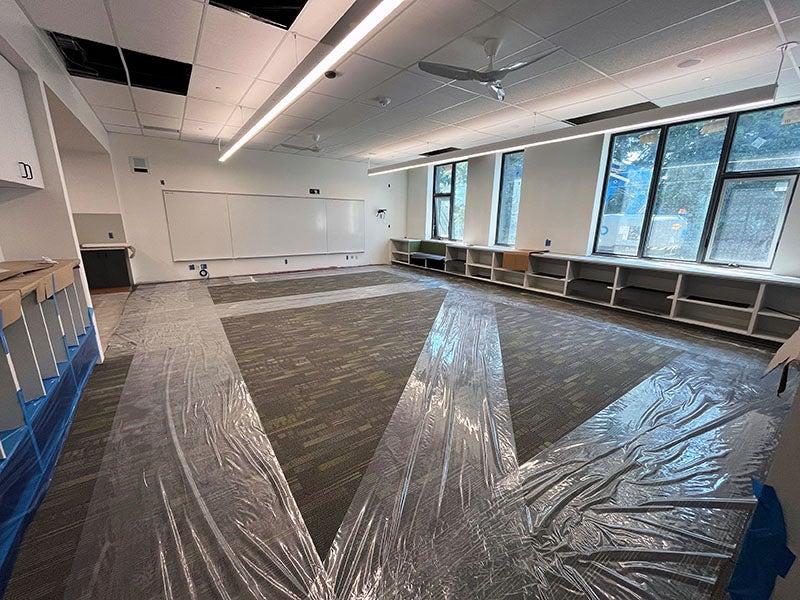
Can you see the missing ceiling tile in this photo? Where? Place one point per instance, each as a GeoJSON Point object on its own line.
{"type": "Point", "coordinates": [281, 14]}
{"type": "Point", "coordinates": [609, 114]}
{"type": "Point", "coordinates": [88, 59]}
{"type": "Point", "coordinates": [156, 73]}
{"type": "Point", "coordinates": [440, 151]}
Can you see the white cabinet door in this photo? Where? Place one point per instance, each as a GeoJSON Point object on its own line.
{"type": "Point", "coordinates": [19, 163]}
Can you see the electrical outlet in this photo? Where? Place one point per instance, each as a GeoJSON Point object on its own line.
{"type": "Point", "coordinates": [286, 261]}
{"type": "Point", "coordinates": [203, 266]}
{"type": "Point", "coordinates": [314, 191]}
{"type": "Point", "coordinates": [111, 235]}
{"type": "Point", "coordinates": [191, 267]}
{"type": "Point", "coordinates": [548, 243]}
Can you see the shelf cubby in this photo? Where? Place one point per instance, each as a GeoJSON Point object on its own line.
{"type": "Point", "coordinates": [459, 267]}
{"type": "Point", "coordinates": [484, 258]}
{"type": "Point", "coordinates": [727, 294]}
{"type": "Point", "coordinates": [727, 318]}
{"type": "Point", "coordinates": [547, 267]}
{"type": "Point", "coordinates": [508, 276]}
{"type": "Point", "coordinates": [775, 326]}
{"type": "Point", "coordinates": [479, 271]}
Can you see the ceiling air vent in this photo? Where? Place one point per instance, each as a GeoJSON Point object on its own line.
{"type": "Point", "coordinates": [161, 129]}
{"type": "Point", "coordinates": [608, 114]}
{"type": "Point", "coordinates": [138, 164]}
{"type": "Point", "coordinates": [440, 151]}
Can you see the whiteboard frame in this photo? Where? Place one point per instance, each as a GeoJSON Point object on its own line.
{"type": "Point", "coordinates": [230, 232]}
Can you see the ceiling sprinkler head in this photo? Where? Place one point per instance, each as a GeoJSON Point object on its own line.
{"type": "Point", "coordinates": [331, 74]}
{"type": "Point", "coordinates": [383, 101]}
{"type": "Point", "coordinates": [689, 62]}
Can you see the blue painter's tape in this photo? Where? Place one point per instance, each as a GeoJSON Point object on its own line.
{"type": "Point", "coordinates": [3, 341]}
{"type": "Point", "coordinates": [764, 554]}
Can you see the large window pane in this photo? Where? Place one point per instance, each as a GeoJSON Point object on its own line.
{"type": "Point", "coordinates": [442, 177]}
{"type": "Point", "coordinates": [749, 220]}
{"type": "Point", "coordinates": [766, 139]}
{"type": "Point", "coordinates": [459, 201]}
{"type": "Point", "coordinates": [683, 192]}
{"type": "Point", "coordinates": [633, 157]}
{"type": "Point", "coordinates": [441, 206]}
{"type": "Point", "coordinates": [510, 189]}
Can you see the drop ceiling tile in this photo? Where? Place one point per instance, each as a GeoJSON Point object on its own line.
{"type": "Point", "coordinates": [422, 28]}
{"type": "Point", "coordinates": [413, 129]}
{"type": "Point", "coordinates": [80, 18]}
{"type": "Point", "coordinates": [754, 44]}
{"type": "Point", "coordinates": [504, 115]}
{"type": "Point", "coordinates": [234, 43]}
{"type": "Point", "coordinates": [103, 93]}
{"type": "Point", "coordinates": [199, 129]}
{"type": "Point", "coordinates": [688, 90]}
{"type": "Point", "coordinates": [629, 21]}
{"type": "Point", "coordinates": [401, 88]}
{"type": "Point", "coordinates": [319, 16]}
{"type": "Point", "coordinates": [314, 106]}
{"type": "Point", "coordinates": [226, 133]}
{"type": "Point", "coordinates": [578, 94]}
{"type": "Point", "coordinates": [240, 116]}
{"type": "Point", "coordinates": [345, 117]}
{"type": "Point", "coordinates": [556, 80]}
{"type": "Point", "coordinates": [499, 5]}
{"type": "Point", "coordinates": [546, 17]}
{"type": "Point", "coordinates": [123, 129]}
{"type": "Point", "coordinates": [440, 98]}
{"type": "Point", "coordinates": [288, 124]}
{"type": "Point", "coordinates": [115, 116]}
{"type": "Point", "coordinates": [786, 9]}
{"type": "Point", "coordinates": [159, 121]}
{"type": "Point", "coordinates": [468, 51]}
{"type": "Point", "coordinates": [290, 53]}
{"type": "Point", "coordinates": [356, 75]}
{"type": "Point", "coordinates": [520, 127]}
{"type": "Point", "coordinates": [732, 20]}
{"type": "Point", "coordinates": [207, 111]}
{"type": "Point", "coordinates": [258, 93]}
{"type": "Point", "coordinates": [216, 85]}
{"type": "Point", "coordinates": [266, 140]}
{"type": "Point", "coordinates": [158, 103]}
{"type": "Point", "coordinates": [466, 110]}
{"type": "Point", "coordinates": [166, 29]}
{"type": "Point", "coordinates": [587, 107]}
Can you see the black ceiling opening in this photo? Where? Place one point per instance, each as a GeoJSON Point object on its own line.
{"type": "Point", "coordinates": [608, 114]}
{"type": "Point", "coordinates": [280, 13]}
{"type": "Point", "coordinates": [439, 151]}
{"type": "Point", "coordinates": [84, 58]}
{"type": "Point", "coordinates": [93, 60]}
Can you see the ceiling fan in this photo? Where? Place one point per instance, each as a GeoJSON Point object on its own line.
{"type": "Point", "coordinates": [492, 78]}
{"type": "Point", "coordinates": [312, 148]}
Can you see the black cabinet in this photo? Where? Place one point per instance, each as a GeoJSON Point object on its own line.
{"type": "Point", "coordinates": [106, 268]}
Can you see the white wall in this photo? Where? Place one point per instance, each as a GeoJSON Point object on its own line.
{"type": "Point", "coordinates": [558, 195]}
{"type": "Point", "coordinates": [418, 210]}
{"type": "Point", "coordinates": [90, 182]}
{"type": "Point", "coordinates": [190, 166]}
{"type": "Point", "coordinates": [483, 174]}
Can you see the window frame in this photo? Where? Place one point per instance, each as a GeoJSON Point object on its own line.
{"type": "Point", "coordinates": [722, 174]}
{"type": "Point", "coordinates": [500, 198]}
{"type": "Point", "coordinates": [450, 195]}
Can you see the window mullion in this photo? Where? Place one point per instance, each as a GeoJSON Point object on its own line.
{"type": "Point", "coordinates": [651, 193]}
{"type": "Point", "coordinates": [713, 205]}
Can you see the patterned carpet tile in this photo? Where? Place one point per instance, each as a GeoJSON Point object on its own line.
{"type": "Point", "coordinates": [325, 381]}
{"type": "Point", "coordinates": [223, 294]}
{"type": "Point", "coordinates": [48, 549]}
{"type": "Point", "coordinates": [561, 370]}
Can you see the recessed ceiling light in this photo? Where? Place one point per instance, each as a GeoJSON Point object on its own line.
{"type": "Point", "coordinates": [689, 62]}
{"type": "Point", "coordinates": [706, 78]}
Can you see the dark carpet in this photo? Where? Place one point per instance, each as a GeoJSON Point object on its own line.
{"type": "Point", "coordinates": [325, 381]}
{"type": "Point", "coordinates": [223, 294]}
{"type": "Point", "coordinates": [561, 369]}
{"type": "Point", "coordinates": [51, 540]}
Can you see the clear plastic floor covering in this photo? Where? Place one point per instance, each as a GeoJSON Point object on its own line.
{"type": "Point", "coordinates": [645, 500]}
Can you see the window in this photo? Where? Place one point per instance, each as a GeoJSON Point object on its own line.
{"type": "Point", "coordinates": [749, 219]}
{"type": "Point", "coordinates": [683, 193]}
{"type": "Point", "coordinates": [449, 200]}
{"type": "Point", "coordinates": [714, 190]}
{"type": "Point", "coordinates": [633, 158]}
{"type": "Point", "coordinates": [508, 204]}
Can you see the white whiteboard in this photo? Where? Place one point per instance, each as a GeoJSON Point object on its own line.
{"type": "Point", "coordinates": [204, 225]}
{"type": "Point", "coordinates": [345, 225]}
{"type": "Point", "coordinates": [199, 226]}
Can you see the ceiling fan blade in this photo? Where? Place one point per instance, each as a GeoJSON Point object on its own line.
{"type": "Point", "coordinates": [449, 71]}
{"type": "Point", "coordinates": [500, 73]}
{"type": "Point", "coordinates": [293, 147]}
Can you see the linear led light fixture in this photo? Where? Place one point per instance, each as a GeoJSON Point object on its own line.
{"type": "Point", "coordinates": [375, 17]}
{"type": "Point", "coordinates": [696, 109]}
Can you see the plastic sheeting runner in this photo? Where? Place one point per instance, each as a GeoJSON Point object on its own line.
{"type": "Point", "coordinates": [647, 499]}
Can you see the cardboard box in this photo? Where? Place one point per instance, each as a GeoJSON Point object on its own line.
{"type": "Point", "coordinates": [10, 306]}
{"type": "Point", "coordinates": [516, 260]}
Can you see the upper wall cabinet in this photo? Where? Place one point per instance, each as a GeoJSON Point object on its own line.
{"type": "Point", "coordinates": [19, 163]}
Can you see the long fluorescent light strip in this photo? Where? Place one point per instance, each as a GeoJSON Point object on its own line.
{"type": "Point", "coordinates": [370, 22]}
{"type": "Point", "coordinates": [688, 116]}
